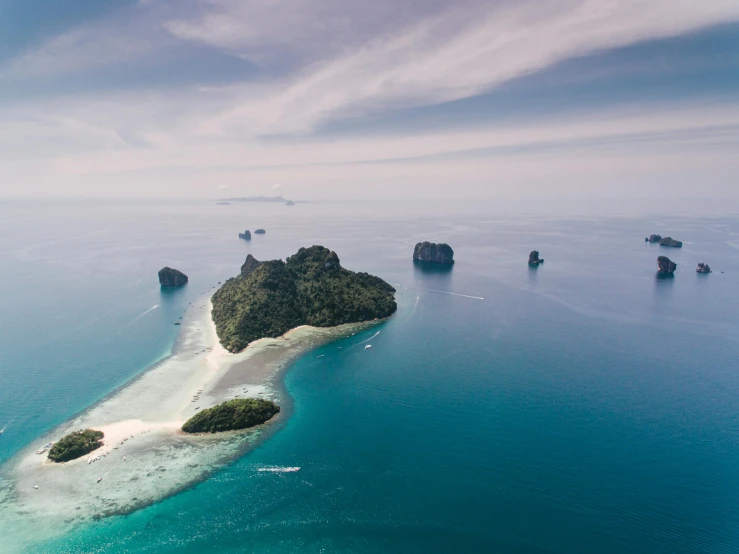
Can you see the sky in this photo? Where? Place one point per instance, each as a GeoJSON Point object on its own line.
{"type": "Point", "coordinates": [318, 99]}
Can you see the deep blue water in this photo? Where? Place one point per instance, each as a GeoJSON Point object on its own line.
{"type": "Point", "coordinates": [585, 406]}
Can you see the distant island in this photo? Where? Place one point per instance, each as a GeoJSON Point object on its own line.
{"type": "Point", "coordinates": [703, 268]}
{"type": "Point", "coordinates": [223, 203]}
{"type": "Point", "coordinates": [240, 413]}
{"type": "Point", "coordinates": [309, 288]}
{"type": "Point", "coordinates": [433, 253]}
{"type": "Point", "coordinates": [665, 266]}
{"type": "Point", "coordinates": [169, 277]}
{"type": "Point", "coordinates": [279, 199]}
{"type": "Point", "coordinates": [246, 235]}
{"type": "Point", "coordinates": [534, 259]}
{"type": "Point", "coordinates": [289, 203]}
{"type": "Point", "coordinates": [669, 241]}
{"type": "Point", "coordinates": [653, 238]}
{"type": "Point", "coordinates": [259, 232]}
{"type": "Point", "coordinates": [75, 445]}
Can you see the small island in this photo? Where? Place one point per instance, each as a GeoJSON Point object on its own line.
{"type": "Point", "coordinates": [240, 413]}
{"type": "Point", "coordinates": [653, 238]}
{"type": "Point", "coordinates": [669, 241]}
{"type": "Point", "coordinates": [703, 268]}
{"type": "Point", "coordinates": [75, 445]}
{"type": "Point", "coordinates": [279, 199]}
{"type": "Point", "coordinates": [246, 235]}
{"type": "Point", "coordinates": [665, 266]}
{"type": "Point", "coordinates": [259, 232]}
{"type": "Point", "coordinates": [433, 253]}
{"type": "Point", "coordinates": [169, 277]}
{"type": "Point", "coordinates": [309, 288]}
{"type": "Point", "coordinates": [289, 203]}
{"type": "Point", "coordinates": [534, 259]}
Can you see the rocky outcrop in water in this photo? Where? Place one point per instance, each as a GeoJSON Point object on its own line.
{"type": "Point", "coordinates": [169, 277]}
{"type": "Point", "coordinates": [259, 232]}
{"type": "Point", "coordinates": [703, 268]}
{"type": "Point", "coordinates": [289, 203]}
{"type": "Point", "coordinates": [665, 266]}
{"type": "Point", "coordinates": [250, 265]}
{"type": "Point", "coordinates": [433, 253]}
{"type": "Point", "coordinates": [534, 259]}
{"type": "Point", "coordinates": [669, 241]}
{"type": "Point", "coordinates": [246, 235]}
{"type": "Point", "coordinates": [653, 238]}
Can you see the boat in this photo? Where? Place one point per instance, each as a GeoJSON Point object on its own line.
{"type": "Point", "coordinates": [321, 356]}
{"type": "Point", "coordinates": [368, 347]}
{"type": "Point", "coordinates": [35, 486]}
{"type": "Point", "coordinates": [176, 322]}
{"type": "Point", "coordinates": [100, 479]}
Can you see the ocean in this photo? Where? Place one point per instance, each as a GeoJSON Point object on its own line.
{"type": "Point", "coordinates": [584, 406]}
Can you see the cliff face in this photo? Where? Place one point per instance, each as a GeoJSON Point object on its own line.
{"type": "Point", "coordinates": [434, 253]}
{"type": "Point", "coordinates": [250, 265]}
{"type": "Point", "coordinates": [169, 277]}
{"type": "Point", "coordinates": [666, 266]}
{"type": "Point", "coordinates": [669, 241]}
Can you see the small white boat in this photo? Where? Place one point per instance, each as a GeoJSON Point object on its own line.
{"type": "Point", "coordinates": [124, 458]}
{"type": "Point", "coordinates": [100, 479]}
{"type": "Point", "coordinates": [35, 486]}
{"type": "Point", "coordinates": [368, 347]}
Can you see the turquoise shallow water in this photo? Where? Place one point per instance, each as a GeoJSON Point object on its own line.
{"type": "Point", "coordinates": [582, 407]}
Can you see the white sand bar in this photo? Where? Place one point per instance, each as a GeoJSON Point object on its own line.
{"type": "Point", "coordinates": [142, 423]}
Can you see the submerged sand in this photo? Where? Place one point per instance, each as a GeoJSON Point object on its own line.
{"type": "Point", "coordinates": [145, 456]}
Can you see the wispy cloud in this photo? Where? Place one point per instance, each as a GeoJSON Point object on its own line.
{"type": "Point", "coordinates": [324, 61]}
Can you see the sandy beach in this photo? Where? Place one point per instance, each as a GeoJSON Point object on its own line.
{"type": "Point", "coordinates": [145, 456]}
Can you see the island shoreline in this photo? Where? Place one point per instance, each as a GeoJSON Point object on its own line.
{"type": "Point", "coordinates": [263, 363]}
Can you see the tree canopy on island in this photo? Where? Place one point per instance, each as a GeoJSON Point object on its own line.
{"type": "Point", "coordinates": [310, 288]}
{"type": "Point", "coordinates": [240, 413]}
{"type": "Point", "coordinates": [75, 445]}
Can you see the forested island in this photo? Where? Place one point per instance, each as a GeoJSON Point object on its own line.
{"type": "Point", "coordinates": [240, 413]}
{"type": "Point", "coordinates": [75, 445]}
{"type": "Point", "coordinates": [309, 288]}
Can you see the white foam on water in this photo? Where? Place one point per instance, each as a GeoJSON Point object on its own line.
{"type": "Point", "coordinates": [278, 469]}
{"type": "Point", "coordinates": [455, 294]}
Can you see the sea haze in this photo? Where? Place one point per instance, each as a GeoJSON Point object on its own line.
{"type": "Point", "coordinates": [584, 406]}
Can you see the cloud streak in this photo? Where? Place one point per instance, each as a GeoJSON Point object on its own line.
{"type": "Point", "coordinates": [326, 61]}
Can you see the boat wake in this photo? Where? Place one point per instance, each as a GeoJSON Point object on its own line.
{"type": "Point", "coordinates": [369, 339]}
{"type": "Point", "coordinates": [7, 425]}
{"type": "Point", "coordinates": [135, 319]}
{"type": "Point", "coordinates": [455, 294]}
{"type": "Point", "coordinates": [277, 469]}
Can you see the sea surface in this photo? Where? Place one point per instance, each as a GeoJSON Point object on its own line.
{"type": "Point", "coordinates": [584, 406]}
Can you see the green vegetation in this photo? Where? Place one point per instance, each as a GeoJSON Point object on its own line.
{"type": "Point", "coordinates": [310, 288]}
{"type": "Point", "coordinates": [75, 445]}
{"type": "Point", "coordinates": [240, 413]}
